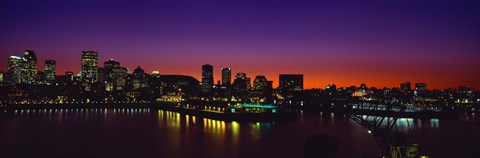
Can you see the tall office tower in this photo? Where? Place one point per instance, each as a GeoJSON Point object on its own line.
{"type": "Point", "coordinates": [248, 82]}
{"type": "Point", "coordinates": [420, 86]}
{"type": "Point", "coordinates": [226, 77]}
{"type": "Point", "coordinates": [50, 67]}
{"type": "Point", "coordinates": [138, 78]}
{"type": "Point", "coordinates": [207, 78]}
{"type": "Point", "coordinates": [111, 64]}
{"type": "Point", "coordinates": [89, 66]}
{"type": "Point", "coordinates": [240, 82]}
{"type": "Point", "coordinates": [29, 71]}
{"type": "Point", "coordinates": [14, 70]}
{"type": "Point", "coordinates": [405, 87]}
{"type": "Point", "coordinates": [89, 72]}
{"type": "Point", "coordinates": [260, 83]}
{"type": "Point", "coordinates": [291, 82]}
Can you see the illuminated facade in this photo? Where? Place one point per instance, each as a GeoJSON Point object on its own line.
{"type": "Point", "coordinates": [291, 82]}
{"type": "Point", "coordinates": [29, 71]}
{"type": "Point", "coordinates": [260, 83]}
{"type": "Point", "coordinates": [241, 82]}
{"type": "Point", "coordinates": [139, 79]}
{"type": "Point", "coordinates": [14, 70]}
{"type": "Point", "coordinates": [226, 77]}
{"type": "Point", "coordinates": [50, 67]}
{"type": "Point", "coordinates": [89, 66]}
{"type": "Point", "coordinates": [207, 78]}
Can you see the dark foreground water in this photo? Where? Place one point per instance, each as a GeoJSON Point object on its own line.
{"type": "Point", "coordinates": [146, 133]}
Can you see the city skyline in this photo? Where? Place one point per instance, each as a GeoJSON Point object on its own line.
{"type": "Point", "coordinates": [217, 78]}
{"type": "Point", "coordinates": [376, 43]}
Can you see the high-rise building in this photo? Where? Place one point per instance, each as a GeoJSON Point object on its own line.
{"type": "Point", "coordinates": [226, 77]}
{"type": "Point", "coordinates": [29, 71]}
{"type": "Point", "coordinates": [241, 82]}
{"type": "Point", "coordinates": [248, 82]}
{"type": "Point", "coordinates": [50, 67]}
{"type": "Point", "coordinates": [207, 78]}
{"type": "Point", "coordinates": [111, 64]}
{"type": "Point", "coordinates": [89, 66]}
{"type": "Point", "coordinates": [420, 86]}
{"type": "Point", "coordinates": [260, 83]}
{"type": "Point", "coordinates": [14, 70]}
{"type": "Point", "coordinates": [139, 79]}
{"type": "Point", "coordinates": [291, 82]}
{"type": "Point", "coordinates": [405, 87]}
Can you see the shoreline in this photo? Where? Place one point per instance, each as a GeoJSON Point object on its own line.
{"type": "Point", "coordinates": [288, 115]}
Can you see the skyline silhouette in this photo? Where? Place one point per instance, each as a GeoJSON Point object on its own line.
{"type": "Point", "coordinates": [377, 43]}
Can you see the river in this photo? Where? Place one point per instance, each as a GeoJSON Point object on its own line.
{"type": "Point", "coordinates": [147, 133]}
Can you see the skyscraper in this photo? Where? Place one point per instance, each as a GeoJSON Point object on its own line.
{"type": "Point", "coordinates": [420, 86]}
{"type": "Point", "coordinates": [260, 83]}
{"type": "Point", "coordinates": [241, 82]}
{"type": "Point", "coordinates": [405, 87]}
{"type": "Point", "coordinates": [89, 66]}
{"type": "Point", "coordinates": [14, 70]}
{"type": "Point", "coordinates": [50, 66]}
{"type": "Point", "coordinates": [207, 78]}
{"type": "Point", "coordinates": [29, 71]}
{"type": "Point", "coordinates": [111, 64]}
{"type": "Point", "coordinates": [291, 82]}
{"type": "Point", "coordinates": [226, 77]}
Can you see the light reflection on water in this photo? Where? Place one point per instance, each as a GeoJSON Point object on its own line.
{"type": "Point", "coordinates": [174, 131]}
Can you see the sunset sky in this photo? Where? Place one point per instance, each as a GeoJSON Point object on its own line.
{"type": "Point", "coordinates": [377, 42]}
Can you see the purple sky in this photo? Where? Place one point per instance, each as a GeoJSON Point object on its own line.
{"type": "Point", "coordinates": [380, 43]}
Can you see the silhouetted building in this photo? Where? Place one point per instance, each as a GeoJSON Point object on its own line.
{"type": "Point", "coordinates": [29, 71]}
{"type": "Point", "coordinates": [207, 78]}
{"type": "Point", "coordinates": [291, 82]}
{"type": "Point", "coordinates": [111, 64]}
{"type": "Point", "coordinates": [240, 84]}
{"type": "Point", "coordinates": [406, 86]}
{"type": "Point", "coordinates": [260, 83]}
{"type": "Point", "coordinates": [226, 77]}
{"type": "Point", "coordinates": [139, 79]}
{"type": "Point", "coordinates": [50, 67]}
{"type": "Point", "coordinates": [420, 86]}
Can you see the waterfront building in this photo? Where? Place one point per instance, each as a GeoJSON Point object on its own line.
{"type": "Point", "coordinates": [291, 82]}
{"type": "Point", "coordinates": [226, 77]}
{"type": "Point", "coordinates": [50, 67]}
{"type": "Point", "coordinates": [420, 86]}
{"type": "Point", "coordinates": [207, 78]}
{"type": "Point", "coordinates": [406, 87]}
{"type": "Point", "coordinates": [260, 83]}
{"type": "Point", "coordinates": [241, 82]}
{"type": "Point", "coordinates": [139, 79]}
{"type": "Point", "coordinates": [14, 69]}
{"type": "Point", "coordinates": [29, 68]}
{"type": "Point", "coordinates": [89, 71]}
